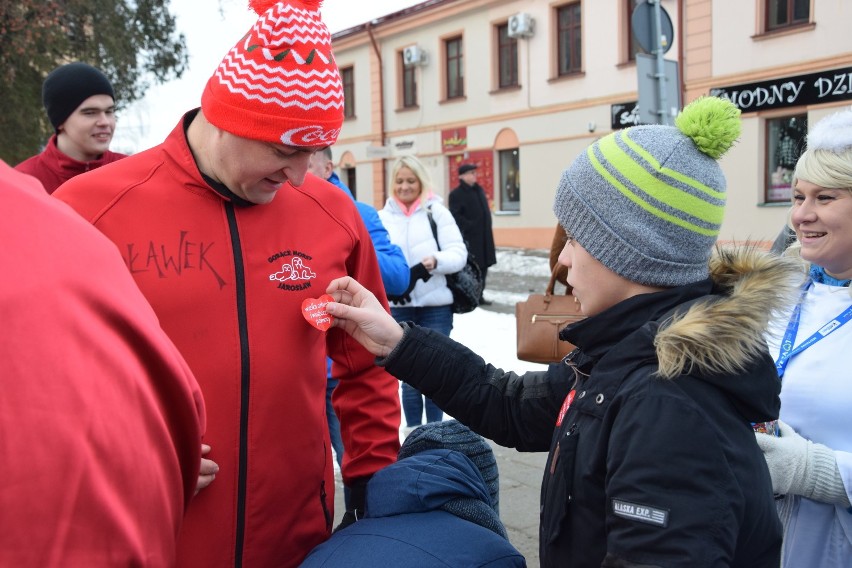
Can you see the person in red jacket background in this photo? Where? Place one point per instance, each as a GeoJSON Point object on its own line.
{"type": "Point", "coordinates": [100, 417]}
{"type": "Point", "coordinates": [230, 241]}
{"type": "Point", "coordinates": [80, 105]}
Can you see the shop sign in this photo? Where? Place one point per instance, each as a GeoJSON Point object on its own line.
{"type": "Point", "coordinates": [454, 139]}
{"type": "Point", "coordinates": [623, 115]}
{"type": "Point", "coordinates": [813, 88]}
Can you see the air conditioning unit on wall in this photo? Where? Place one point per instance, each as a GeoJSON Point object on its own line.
{"type": "Point", "coordinates": [521, 25]}
{"type": "Point", "coordinates": [413, 55]}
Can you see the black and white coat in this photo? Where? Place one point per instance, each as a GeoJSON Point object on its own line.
{"type": "Point", "coordinates": [413, 234]}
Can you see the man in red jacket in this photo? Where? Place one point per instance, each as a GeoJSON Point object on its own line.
{"type": "Point", "coordinates": [100, 417]}
{"type": "Point", "coordinates": [231, 242]}
{"type": "Point", "coordinates": [81, 107]}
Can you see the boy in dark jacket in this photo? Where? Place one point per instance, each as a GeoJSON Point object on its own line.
{"type": "Point", "coordinates": [648, 423]}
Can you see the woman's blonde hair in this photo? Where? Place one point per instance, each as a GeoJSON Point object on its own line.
{"type": "Point", "coordinates": [825, 168]}
{"type": "Point", "coordinates": [419, 170]}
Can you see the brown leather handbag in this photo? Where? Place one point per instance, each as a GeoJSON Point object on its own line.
{"type": "Point", "coordinates": [539, 320]}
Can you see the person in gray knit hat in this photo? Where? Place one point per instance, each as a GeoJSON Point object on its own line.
{"type": "Point", "coordinates": [647, 203]}
{"type": "Point", "coordinates": [80, 104]}
{"type": "Point", "coordinates": [648, 423]}
{"type": "Point", "coordinates": [435, 507]}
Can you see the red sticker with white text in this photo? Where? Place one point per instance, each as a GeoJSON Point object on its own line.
{"type": "Point", "coordinates": [313, 310]}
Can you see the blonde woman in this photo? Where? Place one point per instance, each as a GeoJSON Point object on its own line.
{"type": "Point", "coordinates": [427, 301]}
{"type": "Point", "coordinates": [811, 461]}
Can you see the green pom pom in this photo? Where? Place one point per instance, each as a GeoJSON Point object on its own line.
{"type": "Point", "coordinates": [712, 123]}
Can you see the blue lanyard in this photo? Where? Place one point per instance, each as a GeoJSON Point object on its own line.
{"type": "Point", "coordinates": [787, 352]}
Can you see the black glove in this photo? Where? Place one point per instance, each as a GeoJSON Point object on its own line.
{"type": "Point", "coordinates": [357, 502]}
{"type": "Point", "coordinates": [400, 300]}
{"type": "Point", "coordinates": [416, 272]}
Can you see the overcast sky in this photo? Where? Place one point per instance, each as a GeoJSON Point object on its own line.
{"type": "Point", "coordinates": [210, 32]}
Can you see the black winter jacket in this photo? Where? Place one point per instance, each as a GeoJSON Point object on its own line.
{"type": "Point", "coordinates": [653, 461]}
{"type": "Point", "coordinates": [470, 209]}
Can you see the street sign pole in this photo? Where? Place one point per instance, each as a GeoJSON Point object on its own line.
{"type": "Point", "coordinates": [658, 78]}
{"type": "Point", "coordinates": [660, 45]}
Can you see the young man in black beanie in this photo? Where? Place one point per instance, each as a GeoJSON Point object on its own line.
{"type": "Point", "coordinates": [80, 104]}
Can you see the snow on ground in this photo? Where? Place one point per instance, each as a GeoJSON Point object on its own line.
{"type": "Point", "coordinates": [492, 336]}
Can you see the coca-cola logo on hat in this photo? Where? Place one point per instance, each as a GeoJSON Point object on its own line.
{"type": "Point", "coordinates": [310, 136]}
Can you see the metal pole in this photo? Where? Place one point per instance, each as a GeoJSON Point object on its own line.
{"type": "Point", "coordinates": [663, 109]}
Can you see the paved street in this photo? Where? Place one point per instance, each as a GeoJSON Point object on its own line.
{"type": "Point", "coordinates": [520, 482]}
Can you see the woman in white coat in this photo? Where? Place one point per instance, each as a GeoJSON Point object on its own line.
{"type": "Point", "coordinates": [428, 300]}
{"type": "Point", "coordinates": [811, 459]}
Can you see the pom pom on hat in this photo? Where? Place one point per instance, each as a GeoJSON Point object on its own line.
{"type": "Point", "coordinates": [261, 6]}
{"type": "Point", "coordinates": [647, 202]}
{"type": "Point", "coordinates": [712, 123]}
{"type": "Point", "coordinates": [279, 83]}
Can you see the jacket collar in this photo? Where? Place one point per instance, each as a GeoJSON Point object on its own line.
{"type": "Point", "coordinates": [715, 326]}
{"type": "Point", "coordinates": [596, 335]}
{"type": "Point", "coordinates": [216, 186]}
{"type": "Point", "coordinates": [712, 330]}
{"type": "Point", "coordinates": [65, 165]}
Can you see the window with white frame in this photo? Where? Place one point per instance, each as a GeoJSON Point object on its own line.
{"type": "Point", "coordinates": [347, 77]}
{"type": "Point", "coordinates": [786, 13]}
{"type": "Point", "coordinates": [569, 39]}
{"type": "Point", "coordinates": [454, 65]}
{"type": "Point", "coordinates": [632, 44]}
{"type": "Point", "coordinates": [507, 58]}
{"type": "Point", "coordinates": [409, 83]}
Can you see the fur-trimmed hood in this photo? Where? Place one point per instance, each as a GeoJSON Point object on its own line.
{"type": "Point", "coordinates": [723, 333]}
{"type": "Point", "coordinates": [712, 327]}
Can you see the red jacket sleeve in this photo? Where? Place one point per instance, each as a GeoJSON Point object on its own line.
{"type": "Point", "coordinates": [367, 397]}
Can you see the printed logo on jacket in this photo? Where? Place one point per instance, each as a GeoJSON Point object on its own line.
{"type": "Point", "coordinates": [294, 272]}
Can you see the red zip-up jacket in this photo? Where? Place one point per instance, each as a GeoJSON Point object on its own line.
{"type": "Point", "coordinates": [100, 416]}
{"type": "Point", "coordinates": [228, 282]}
{"type": "Point", "coordinates": [53, 168]}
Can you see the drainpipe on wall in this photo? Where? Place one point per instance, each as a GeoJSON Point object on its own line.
{"type": "Point", "coordinates": [378, 53]}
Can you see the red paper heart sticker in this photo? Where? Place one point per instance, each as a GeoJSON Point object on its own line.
{"type": "Point", "coordinates": [313, 310]}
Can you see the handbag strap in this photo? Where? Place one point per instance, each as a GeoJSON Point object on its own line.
{"type": "Point", "coordinates": [552, 283]}
{"type": "Point", "coordinates": [433, 225]}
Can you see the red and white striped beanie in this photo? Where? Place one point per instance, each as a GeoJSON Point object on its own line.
{"type": "Point", "coordinates": [280, 83]}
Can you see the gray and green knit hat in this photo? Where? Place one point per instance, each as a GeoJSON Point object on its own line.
{"type": "Point", "coordinates": [647, 202]}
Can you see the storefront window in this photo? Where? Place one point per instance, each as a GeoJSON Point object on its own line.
{"type": "Point", "coordinates": [785, 143]}
{"type": "Point", "coordinates": [510, 180]}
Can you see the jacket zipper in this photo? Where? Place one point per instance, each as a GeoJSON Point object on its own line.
{"type": "Point", "coordinates": [240, 281]}
{"type": "Point", "coordinates": [548, 317]}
